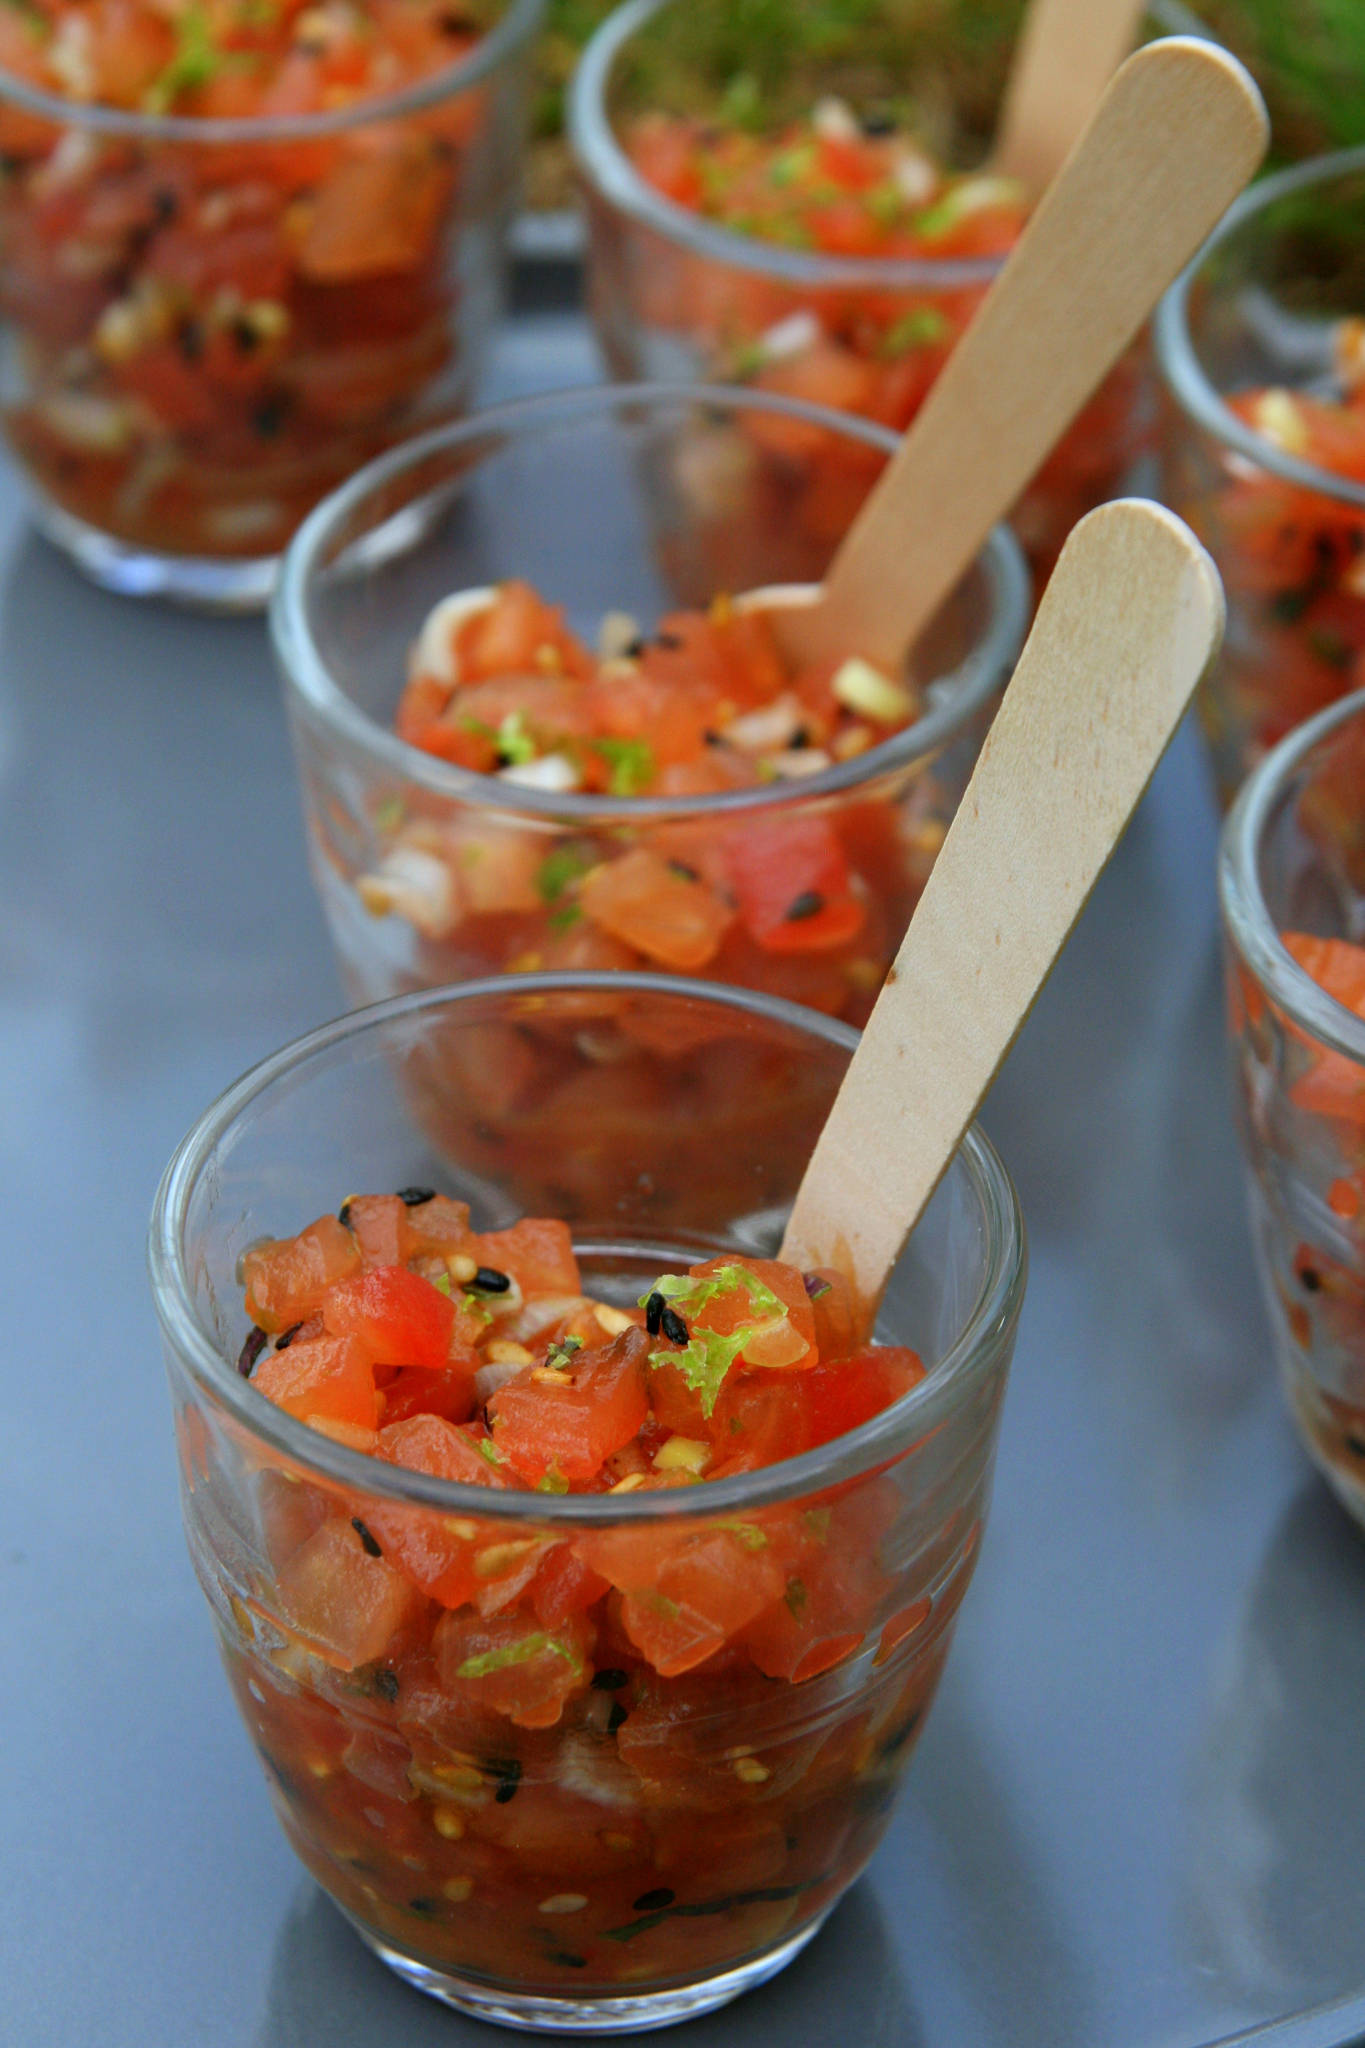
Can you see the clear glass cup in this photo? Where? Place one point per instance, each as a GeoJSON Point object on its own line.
{"type": "Point", "coordinates": [1293, 863]}
{"type": "Point", "coordinates": [617, 1845]}
{"type": "Point", "coordinates": [209, 323]}
{"type": "Point", "coordinates": [1261, 310]}
{"type": "Point", "coordinates": [632, 498]}
{"type": "Point", "coordinates": [673, 294]}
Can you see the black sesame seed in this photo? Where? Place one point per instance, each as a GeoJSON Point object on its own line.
{"type": "Point", "coordinates": [344, 1215]}
{"type": "Point", "coordinates": [655, 1901]}
{"type": "Point", "coordinates": [1355, 1445]}
{"type": "Point", "coordinates": [808, 904]}
{"type": "Point", "coordinates": [286, 1337]}
{"type": "Point", "coordinates": [673, 1326]}
{"type": "Point", "coordinates": [615, 1717]}
{"type": "Point", "coordinates": [269, 416]}
{"type": "Point", "coordinates": [386, 1684]}
{"type": "Point", "coordinates": [166, 204]}
{"type": "Point", "coordinates": [879, 122]}
{"type": "Point", "coordinates": [489, 1280]}
{"type": "Point", "coordinates": [250, 1352]}
{"type": "Point", "coordinates": [368, 1543]}
{"type": "Point", "coordinates": [189, 339]}
{"type": "Point", "coordinates": [671, 640]}
{"type": "Point", "coordinates": [413, 1198]}
{"type": "Point", "coordinates": [507, 1770]}
{"type": "Point", "coordinates": [654, 1312]}
{"type": "Point", "coordinates": [428, 1908]}
{"type": "Point", "coordinates": [610, 1681]}
{"type": "Point", "coordinates": [1310, 1280]}
{"type": "Point", "coordinates": [244, 335]}
{"type": "Point", "coordinates": [712, 739]}
{"type": "Point", "coordinates": [635, 649]}
{"type": "Point", "coordinates": [569, 1962]}
{"type": "Point", "coordinates": [800, 738]}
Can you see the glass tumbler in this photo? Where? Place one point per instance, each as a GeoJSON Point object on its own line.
{"type": "Point", "coordinates": [569, 1833]}
{"type": "Point", "coordinates": [675, 294]}
{"type": "Point", "coordinates": [1292, 882]}
{"type": "Point", "coordinates": [633, 499]}
{"type": "Point", "coordinates": [1267, 317]}
{"type": "Point", "coordinates": [210, 322]}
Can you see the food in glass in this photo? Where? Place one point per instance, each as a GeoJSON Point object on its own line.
{"type": "Point", "coordinates": [829, 248]}
{"type": "Point", "coordinates": [1263, 350]}
{"type": "Point", "coordinates": [598, 762]}
{"type": "Point", "coordinates": [583, 1582]}
{"type": "Point", "coordinates": [1293, 891]}
{"type": "Point", "coordinates": [242, 249]}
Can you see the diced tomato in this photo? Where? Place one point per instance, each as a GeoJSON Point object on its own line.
{"type": "Point", "coordinates": [508, 1665]}
{"type": "Point", "coordinates": [517, 635]}
{"type": "Point", "coordinates": [791, 882]}
{"type": "Point", "coordinates": [439, 1553]}
{"type": "Point", "coordinates": [346, 1604]}
{"type": "Point", "coordinates": [646, 903]}
{"type": "Point", "coordinates": [571, 1422]}
{"type": "Point", "coordinates": [288, 1280]}
{"type": "Point", "coordinates": [537, 1252]}
{"type": "Point", "coordinates": [331, 1377]}
{"type": "Point", "coordinates": [1333, 1084]}
{"type": "Point", "coordinates": [564, 1584]}
{"type": "Point", "coordinates": [685, 1594]}
{"type": "Point", "coordinates": [850, 1391]}
{"type": "Point", "coordinates": [398, 1317]}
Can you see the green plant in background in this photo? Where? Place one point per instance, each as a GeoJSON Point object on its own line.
{"type": "Point", "coordinates": [771, 57]}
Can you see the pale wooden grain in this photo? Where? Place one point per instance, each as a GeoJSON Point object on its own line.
{"type": "Point", "coordinates": [1067, 52]}
{"type": "Point", "coordinates": [1176, 137]}
{"type": "Point", "coordinates": [1132, 616]}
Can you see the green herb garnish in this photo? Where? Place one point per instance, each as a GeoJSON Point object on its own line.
{"type": "Point", "coordinates": [919, 328]}
{"type": "Point", "coordinates": [631, 763]}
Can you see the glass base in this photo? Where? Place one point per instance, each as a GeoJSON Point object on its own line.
{"type": "Point", "coordinates": [204, 583]}
{"type": "Point", "coordinates": [636, 2012]}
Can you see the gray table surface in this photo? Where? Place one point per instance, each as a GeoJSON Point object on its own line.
{"type": "Point", "coordinates": [1137, 1819]}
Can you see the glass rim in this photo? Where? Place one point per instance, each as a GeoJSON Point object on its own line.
{"type": "Point", "coordinates": [986, 1329]}
{"type": "Point", "coordinates": [1178, 360]}
{"type": "Point", "coordinates": [1246, 915]}
{"type": "Point", "coordinates": [963, 691]}
{"type": "Point", "coordinates": [515, 27]}
{"type": "Point", "coordinates": [608, 171]}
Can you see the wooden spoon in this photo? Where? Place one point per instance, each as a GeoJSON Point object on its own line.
{"type": "Point", "coordinates": [1067, 52]}
{"type": "Point", "coordinates": [1130, 620]}
{"type": "Point", "coordinates": [1175, 138]}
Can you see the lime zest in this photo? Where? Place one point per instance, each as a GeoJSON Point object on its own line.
{"type": "Point", "coordinates": [919, 328]}
{"type": "Point", "coordinates": [514, 742]}
{"type": "Point", "coordinates": [553, 1481]}
{"type": "Point", "coordinates": [705, 1362]}
{"type": "Point", "coordinates": [560, 870]}
{"type": "Point", "coordinates": [196, 62]}
{"type": "Point", "coordinates": [631, 763]}
{"type": "Point", "coordinates": [486, 1662]}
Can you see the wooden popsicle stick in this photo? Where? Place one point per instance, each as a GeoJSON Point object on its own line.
{"type": "Point", "coordinates": [1130, 620]}
{"type": "Point", "coordinates": [1176, 137]}
{"type": "Point", "coordinates": [1067, 52]}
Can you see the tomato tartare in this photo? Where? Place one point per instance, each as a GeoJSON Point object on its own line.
{"type": "Point", "coordinates": [209, 332]}
{"type": "Point", "coordinates": [1293, 562]}
{"type": "Point", "coordinates": [806, 897]}
{"type": "Point", "coordinates": [613, 1753]}
{"type": "Point", "coordinates": [864, 191]}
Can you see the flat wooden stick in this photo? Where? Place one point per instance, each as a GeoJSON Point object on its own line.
{"type": "Point", "coordinates": [1175, 138]}
{"type": "Point", "coordinates": [1130, 620]}
{"type": "Point", "coordinates": [1067, 52]}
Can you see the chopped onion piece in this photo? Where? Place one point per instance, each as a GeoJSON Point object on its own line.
{"type": "Point", "coordinates": [554, 773]}
{"type": "Point", "coordinates": [862, 688]}
{"type": "Point", "coordinates": [434, 654]}
{"type": "Point", "coordinates": [415, 885]}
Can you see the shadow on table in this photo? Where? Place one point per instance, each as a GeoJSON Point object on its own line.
{"type": "Point", "coordinates": [327, 1991]}
{"type": "Point", "coordinates": [1274, 1878]}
